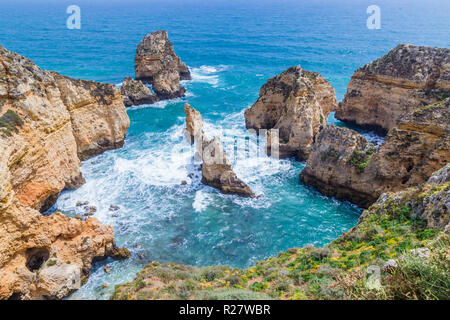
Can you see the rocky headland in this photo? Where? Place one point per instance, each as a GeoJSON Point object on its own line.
{"type": "Point", "coordinates": [297, 103]}
{"type": "Point", "coordinates": [343, 164]}
{"type": "Point", "coordinates": [157, 64]}
{"type": "Point", "coordinates": [398, 250]}
{"type": "Point", "coordinates": [48, 122]}
{"type": "Point", "coordinates": [385, 90]}
{"type": "Point", "coordinates": [217, 170]}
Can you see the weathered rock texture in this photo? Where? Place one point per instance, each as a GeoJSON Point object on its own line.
{"type": "Point", "coordinates": [217, 170]}
{"type": "Point", "coordinates": [135, 93]}
{"type": "Point", "coordinates": [297, 103]}
{"type": "Point", "coordinates": [433, 200]}
{"type": "Point", "coordinates": [383, 91]}
{"type": "Point", "coordinates": [330, 168]}
{"type": "Point", "coordinates": [48, 257]}
{"type": "Point", "coordinates": [156, 63]}
{"type": "Point", "coordinates": [399, 228]}
{"type": "Point", "coordinates": [344, 165]}
{"type": "Point", "coordinates": [47, 123]}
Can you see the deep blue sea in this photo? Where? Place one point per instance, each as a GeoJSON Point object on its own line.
{"type": "Point", "coordinates": [232, 48]}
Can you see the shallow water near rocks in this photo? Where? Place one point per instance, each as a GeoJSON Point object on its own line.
{"type": "Point", "coordinates": [231, 49]}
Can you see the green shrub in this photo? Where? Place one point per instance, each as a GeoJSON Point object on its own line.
{"type": "Point", "coordinates": [9, 123]}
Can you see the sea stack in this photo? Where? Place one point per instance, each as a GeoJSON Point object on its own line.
{"type": "Point", "coordinates": [49, 122]}
{"type": "Point", "coordinates": [297, 103]}
{"type": "Point", "coordinates": [217, 170]}
{"type": "Point", "coordinates": [157, 64]}
{"type": "Point", "coordinates": [407, 78]}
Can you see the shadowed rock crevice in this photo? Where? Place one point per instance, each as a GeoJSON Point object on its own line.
{"type": "Point", "coordinates": [36, 257]}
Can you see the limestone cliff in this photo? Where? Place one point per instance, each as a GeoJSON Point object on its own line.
{"type": "Point", "coordinates": [47, 123]}
{"type": "Point", "coordinates": [344, 165]}
{"type": "Point", "coordinates": [406, 78]}
{"type": "Point", "coordinates": [217, 170]}
{"type": "Point", "coordinates": [398, 250]}
{"type": "Point", "coordinates": [156, 63]}
{"type": "Point", "coordinates": [297, 103]}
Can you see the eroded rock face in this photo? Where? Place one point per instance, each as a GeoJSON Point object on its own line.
{"type": "Point", "coordinates": [297, 103]}
{"type": "Point", "coordinates": [48, 257]}
{"type": "Point", "coordinates": [194, 124]}
{"type": "Point", "coordinates": [217, 170]}
{"type": "Point", "coordinates": [417, 147]}
{"type": "Point", "coordinates": [342, 165]}
{"type": "Point", "coordinates": [406, 78]}
{"type": "Point", "coordinates": [433, 202]}
{"type": "Point", "coordinates": [334, 165]}
{"type": "Point", "coordinates": [99, 119]}
{"type": "Point", "coordinates": [156, 63]}
{"type": "Point", "coordinates": [135, 93]}
{"type": "Point", "coordinates": [47, 123]}
{"type": "Point", "coordinates": [429, 201]}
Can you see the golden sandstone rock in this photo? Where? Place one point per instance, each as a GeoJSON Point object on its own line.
{"type": "Point", "coordinates": [49, 122]}
{"type": "Point", "coordinates": [406, 78]}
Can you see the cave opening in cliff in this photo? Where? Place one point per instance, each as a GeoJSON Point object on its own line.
{"type": "Point", "coordinates": [36, 257]}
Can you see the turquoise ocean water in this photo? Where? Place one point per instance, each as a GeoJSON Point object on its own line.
{"type": "Point", "coordinates": [232, 48]}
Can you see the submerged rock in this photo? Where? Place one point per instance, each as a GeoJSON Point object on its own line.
{"type": "Point", "coordinates": [49, 122]}
{"type": "Point", "coordinates": [407, 78]}
{"type": "Point", "coordinates": [342, 165]}
{"type": "Point", "coordinates": [135, 93]}
{"type": "Point", "coordinates": [156, 63]}
{"type": "Point", "coordinates": [297, 103]}
{"type": "Point", "coordinates": [217, 170]}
